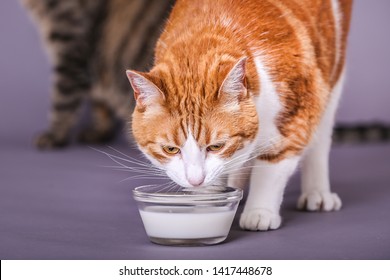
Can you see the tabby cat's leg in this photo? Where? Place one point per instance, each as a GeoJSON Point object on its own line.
{"type": "Point", "coordinates": [103, 124]}
{"type": "Point", "coordinates": [316, 194]}
{"type": "Point", "coordinates": [268, 180]}
{"type": "Point", "coordinates": [66, 32]}
{"type": "Point", "coordinates": [62, 118]}
{"type": "Point", "coordinates": [70, 86]}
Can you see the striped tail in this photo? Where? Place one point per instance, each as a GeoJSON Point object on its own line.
{"type": "Point", "coordinates": [374, 132]}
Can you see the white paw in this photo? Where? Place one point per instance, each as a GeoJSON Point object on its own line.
{"type": "Point", "coordinates": [319, 201]}
{"type": "Point", "coordinates": [259, 219]}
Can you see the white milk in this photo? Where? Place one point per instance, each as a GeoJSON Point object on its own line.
{"type": "Point", "coordinates": [181, 223]}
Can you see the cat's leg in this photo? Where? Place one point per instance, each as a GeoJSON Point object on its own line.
{"type": "Point", "coordinates": [268, 181]}
{"type": "Point", "coordinates": [66, 32]}
{"type": "Point", "coordinates": [102, 127]}
{"type": "Point", "coordinates": [70, 86]}
{"type": "Point", "coordinates": [316, 194]}
{"type": "Point", "coordinates": [62, 118]}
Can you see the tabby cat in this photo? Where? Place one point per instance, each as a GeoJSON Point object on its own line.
{"type": "Point", "coordinates": [91, 43]}
{"type": "Point", "coordinates": [246, 86]}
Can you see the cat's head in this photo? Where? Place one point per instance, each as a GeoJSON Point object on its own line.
{"type": "Point", "coordinates": [194, 127]}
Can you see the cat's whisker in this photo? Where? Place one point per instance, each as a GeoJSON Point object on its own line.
{"type": "Point", "coordinates": [143, 177]}
{"type": "Point", "coordinates": [258, 150]}
{"type": "Point", "coordinates": [249, 172]}
{"type": "Point", "coordinates": [144, 174]}
{"type": "Point", "coordinates": [241, 162]}
{"type": "Point", "coordinates": [142, 170]}
{"type": "Point", "coordinates": [169, 186]}
{"type": "Point", "coordinates": [137, 161]}
{"type": "Point", "coordinates": [172, 187]}
{"type": "Point", "coordinates": [160, 187]}
{"type": "Point", "coordinates": [119, 152]}
{"type": "Point", "coordinates": [157, 186]}
{"type": "Point", "coordinates": [146, 165]}
{"type": "Point", "coordinates": [233, 167]}
{"type": "Point", "coordinates": [128, 160]}
{"type": "Point", "coordinates": [132, 168]}
{"type": "Point", "coordinates": [136, 169]}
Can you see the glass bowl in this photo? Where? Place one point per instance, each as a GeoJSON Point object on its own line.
{"type": "Point", "coordinates": [187, 216]}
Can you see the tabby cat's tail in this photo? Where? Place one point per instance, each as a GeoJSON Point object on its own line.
{"type": "Point", "coordinates": [361, 133]}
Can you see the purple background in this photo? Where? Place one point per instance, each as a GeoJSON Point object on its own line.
{"type": "Point", "coordinates": [65, 205]}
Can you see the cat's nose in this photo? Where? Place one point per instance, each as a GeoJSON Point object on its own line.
{"type": "Point", "coordinates": [195, 174]}
{"type": "Point", "coordinates": [196, 181]}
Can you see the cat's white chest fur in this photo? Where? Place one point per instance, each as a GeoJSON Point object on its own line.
{"type": "Point", "coordinates": [268, 107]}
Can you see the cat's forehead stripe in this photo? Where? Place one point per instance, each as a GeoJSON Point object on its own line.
{"type": "Point", "coordinates": [183, 127]}
{"type": "Point", "coordinates": [176, 137]}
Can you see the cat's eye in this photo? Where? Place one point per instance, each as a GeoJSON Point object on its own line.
{"type": "Point", "coordinates": [171, 150]}
{"type": "Point", "coordinates": [215, 147]}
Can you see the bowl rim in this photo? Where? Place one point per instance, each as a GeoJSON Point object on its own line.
{"type": "Point", "coordinates": [231, 195]}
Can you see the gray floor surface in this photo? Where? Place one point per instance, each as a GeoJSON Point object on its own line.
{"type": "Point", "coordinates": [67, 205]}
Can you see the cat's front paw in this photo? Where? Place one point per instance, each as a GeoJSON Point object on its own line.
{"type": "Point", "coordinates": [319, 201]}
{"type": "Point", "coordinates": [48, 140]}
{"type": "Point", "coordinates": [260, 219]}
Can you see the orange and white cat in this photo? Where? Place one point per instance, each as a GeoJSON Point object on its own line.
{"type": "Point", "coordinates": [246, 87]}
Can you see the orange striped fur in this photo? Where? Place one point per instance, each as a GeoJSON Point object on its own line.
{"type": "Point", "coordinates": [201, 43]}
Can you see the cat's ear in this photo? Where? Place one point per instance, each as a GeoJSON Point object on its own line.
{"type": "Point", "coordinates": [146, 92]}
{"type": "Point", "coordinates": [234, 84]}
